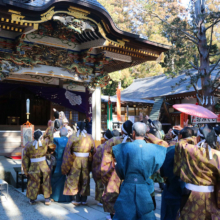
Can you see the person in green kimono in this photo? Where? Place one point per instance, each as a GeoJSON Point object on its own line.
{"type": "Point", "coordinates": [136, 162]}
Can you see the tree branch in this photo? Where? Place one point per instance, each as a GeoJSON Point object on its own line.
{"type": "Point", "coordinates": [194, 86]}
{"type": "Point", "coordinates": [216, 78]}
{"type": "Point", "coordinates": [210, 42]}
{"type": "Point", "coordinates": [189, 36]}
{"type": "Point", "coordinates": [193, 65]}
{"type": "Point", "coordinates": [212, 55]}
{"type": "Point", "coordinates": [213, 24]}
{"type": "Point", "coordinates": [214, 67]}
{"type": "Point", "coordinates": [215, 88]}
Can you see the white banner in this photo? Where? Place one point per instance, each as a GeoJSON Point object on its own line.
{"type": "Point", "coordinates": [197, 120]}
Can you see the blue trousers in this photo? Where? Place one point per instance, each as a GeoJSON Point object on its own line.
{"type": "Point", "coordinates": [170, 205]}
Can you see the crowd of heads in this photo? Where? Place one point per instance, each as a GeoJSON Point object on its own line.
{"type": "Point", "coordinates": [205, 133]}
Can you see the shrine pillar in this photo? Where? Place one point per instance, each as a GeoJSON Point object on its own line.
{"type": "Point", "coordinates": [96, 116]}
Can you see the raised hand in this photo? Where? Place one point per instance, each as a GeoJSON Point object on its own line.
{"type": "Point", "coordinates": [177, 127]}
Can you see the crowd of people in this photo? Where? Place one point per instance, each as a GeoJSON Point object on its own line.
{"type": "Point", "coordinates": [185, 162]}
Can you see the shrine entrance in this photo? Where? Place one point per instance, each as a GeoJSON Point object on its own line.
{"type": "Point", "coordinates": [13, 108]}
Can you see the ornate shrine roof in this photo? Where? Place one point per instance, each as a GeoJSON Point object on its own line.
{"type": "Point", "coordinates": [70, 40]}
{"type": "Point", "coordinates": [41, 3]}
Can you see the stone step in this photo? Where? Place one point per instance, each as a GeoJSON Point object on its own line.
{"type": "Point", "coordinates": [10, 145]}
{"type": "Point", "coordinates": [10, 139]}
{"type": "Point", "coordinates": [18, 127]}
{"type": "Point", "coordinates": [9, 134]}
{"type": "Point", "coordinates": [10, 151]}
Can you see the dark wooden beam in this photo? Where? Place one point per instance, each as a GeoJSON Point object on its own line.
{"type": "Point", "coordinates": [167, 112]}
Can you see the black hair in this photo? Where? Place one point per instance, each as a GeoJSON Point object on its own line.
{"type": "Point", "coordinates": [108, 134]}
{"type": "Point", "coordinates": [37, 134]}
{"type": "Point", "coordinates": [81, 125]}
{"type": "Point", "coordinates": [57, 124]}
{"type": "Point", "coordinates": [56, 115]}
{"type": "Point", "coordinates": [127, 126]}
{"type": "Point", "coordinates": [176, 132]}
{"type": "Point", "coordinates": [186, 132]}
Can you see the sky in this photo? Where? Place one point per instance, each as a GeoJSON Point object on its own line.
{"type": "Point", "coordinates": [185, 2]}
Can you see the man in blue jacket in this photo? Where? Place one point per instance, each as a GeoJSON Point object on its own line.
{"type": "Point", "coordinates": [136, 162]}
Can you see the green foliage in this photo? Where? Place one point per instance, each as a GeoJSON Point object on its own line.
{"type": "Point", "coordinates": [128, 17]}
{"type": "Point", "coordinates": [169, 22]}
{"type": "Point", "coordinates": [123, 76]}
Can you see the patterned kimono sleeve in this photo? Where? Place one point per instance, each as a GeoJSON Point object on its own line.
{"type": "Point", "coordinates": [217, 146]}
{"type": "Point", "coordinates": [107, 165]}
{"type": "Point", "coordinates": [92, 152]}
{"type": "Point", "coordinates": [157, 141]}
{"type": "Point", "coordinates": [172, 143]}
{"type": "Point", "coordinates": [67, 157]}
{"type": "Point", "coordinates": [216, 157]}
{"type": "Point", "coordinates": [217, 191]}
{"type": "Point", "coordinates": [177, 159]}
{"type": "Point", "coordinates": [95, 161]}
{"type": "Point", "coordinates": [26, 159]}
{"type": "Point", "coordinates": [49, 134]}
{"type": "Point", "coordinates": [93, 146]}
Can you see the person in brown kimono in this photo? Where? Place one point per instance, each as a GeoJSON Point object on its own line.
{"type": "Point", "coordinates": [76, 164]}
{"type": "Point", "coordinates": [96, 166]}
{"type": "Point", "coordinates": [36, 169]}
{"type": "Point", "coordinates": [109, 177]}
{"type": "Point", "coordinates": [198, 167]}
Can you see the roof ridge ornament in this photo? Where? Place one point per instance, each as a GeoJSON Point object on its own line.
{"type": "Point", "coordinates": [74, 24]}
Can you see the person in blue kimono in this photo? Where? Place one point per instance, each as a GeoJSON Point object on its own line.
{"type": "Point", "coordinates": [135, 162]}
{"type": "Point", "coordinates": [172, 192]}
{"type": "Point", "coordinates": [57, 178]}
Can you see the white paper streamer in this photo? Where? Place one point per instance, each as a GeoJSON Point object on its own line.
{"type": "Point", "coordinates": [83, 132]}
{"type": "Point", "coordinates": [204, 145]}
{"type": "Point", "coordinates": [37, 143]}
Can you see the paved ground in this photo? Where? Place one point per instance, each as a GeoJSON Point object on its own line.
{"type": "Point", "coordinates": [16, 207]}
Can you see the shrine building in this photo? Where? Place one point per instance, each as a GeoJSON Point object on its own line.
{"type": "Point", "coordinates": [58, 54]}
